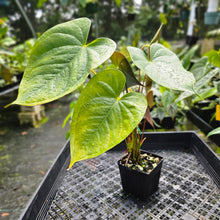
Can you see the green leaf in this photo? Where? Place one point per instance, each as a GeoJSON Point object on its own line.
{"type": "Point", "coordinates": [172, 110]}
{"type": "Point", "coordinates": [120, 61]}
{"type": "Point", "coordinates": [167, 98]}
{"type": "Point", "coordinates": [214, 132]}
{"type": "Point", "coordinates": [157, 35]}
{"type": "Point", "coordinates": [160, 112]}
{"type": "Point", "coordinates": [208, 92]}
{"type": "Point", "coordinates": [213, 57]}
{"type": "Point", "coordinates": [217, 86]}
{"type": "Point", "coordinates": [186, 60]}
{"type": "Point", "coordinates": [118, 2]}
{"type": "Point", "coordinates": [40, 3]}
{"type": "Point", "coordinates": [163, 18]}
{"type": "Point", "coordinates": [203, 82]}
{"type": "Point", "coordinates": [3, 31]}
{"type": "Point", "coordinates": [101, 119]}
{"type": "Point", "coordinates": [60, 62]}
{"type": "Point", "coordinates": [7, 42]}
{"type": "Point", "coordinates": [199, 69]}
{"type": "Point", "coordinates": [83, 3]}
{"type": "Point", "coordinates": [164, 67]}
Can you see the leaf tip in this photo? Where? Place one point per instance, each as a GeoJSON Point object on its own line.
{"type": "Point", "coordinates": [71, 164]}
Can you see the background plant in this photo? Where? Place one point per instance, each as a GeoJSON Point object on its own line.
{"type": "Point", "coordinates": [13, 56]}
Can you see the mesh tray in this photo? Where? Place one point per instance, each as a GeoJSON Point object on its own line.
{"type": "Point", "coordinates": [188, 188]}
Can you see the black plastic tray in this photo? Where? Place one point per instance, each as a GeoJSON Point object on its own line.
{"type": "Point", "coordinates": [203, 125]}
{"type": "Point", "coordinates": [188, 189]}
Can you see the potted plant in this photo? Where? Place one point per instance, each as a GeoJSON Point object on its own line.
{"type": "Point", "coordinates": [105, 113]}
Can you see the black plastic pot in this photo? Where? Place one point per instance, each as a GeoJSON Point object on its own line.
{"type": "Point", "coordinates": [191, 40]}
{"type": "Point", "coordinates": [131, 16]}
{"type": "Point", "coordinates": [138, 183]}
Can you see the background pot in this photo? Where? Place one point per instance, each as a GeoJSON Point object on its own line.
{"type": "Point", "coordinates": [140, 184]}
{"type": "Point", "coordinates": [184, 14]}
{"type": "Point", "coordinates": [191, 40]}
{"type": "Point", "coordinates": [92, 8]}
{"type": "Point", "coordinates": [211, 18]}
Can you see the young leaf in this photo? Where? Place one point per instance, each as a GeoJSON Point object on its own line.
{"type": "Point", "coordinates": [120, 61]}
{"type": "Point", "coordinates": [60, 62]}
{"type": "Point", "coordinates": [164, 67]}
{"type": "Point", "coordinates": [102, 118]}
{"type": "Point", "coordinates": [157, 35]}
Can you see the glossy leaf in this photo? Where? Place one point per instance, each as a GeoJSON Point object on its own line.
{"type": "Point", "coordinates": [120, 61]}
{"type": "Point", "coordinates": [101, 119]}
{"type": "Point", "coordinates": [60, 62]}
{"type": "Point", "coordinates": [164, 67]}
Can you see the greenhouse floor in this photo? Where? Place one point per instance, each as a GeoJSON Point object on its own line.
{"type": "Point", "coordinates": [26, 153]}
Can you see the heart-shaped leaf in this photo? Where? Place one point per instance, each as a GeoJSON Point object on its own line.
{"type": "Point", "coordinates": [102, 118]}
{"type": "Point", "coordinates": [164, 67]}
{"type": "Point", "coordinates": [60, 62]}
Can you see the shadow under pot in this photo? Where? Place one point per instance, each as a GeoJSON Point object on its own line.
{"type": "Point", "coordinates": [141, 184]}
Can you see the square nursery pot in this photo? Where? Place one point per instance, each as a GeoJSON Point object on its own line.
{"type": "Point", "coordinates": [138, 183]}
{"type": "Point", "coordinates": [189, 185]}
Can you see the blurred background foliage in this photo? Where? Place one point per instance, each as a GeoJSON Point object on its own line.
{"type": "Point", "coordinates": [112, 18]}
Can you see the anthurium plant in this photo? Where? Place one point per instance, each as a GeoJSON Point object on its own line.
{"type": "Point", "coordinates": [107, 112]}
